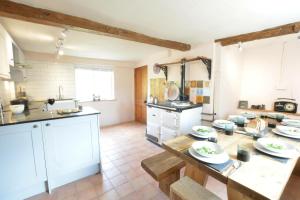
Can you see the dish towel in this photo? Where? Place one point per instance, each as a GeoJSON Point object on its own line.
{"type": "Point", "coordinates": [218, 167]}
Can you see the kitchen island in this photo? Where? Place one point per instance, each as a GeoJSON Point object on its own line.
{"type": "Point", "coordinates": [40, 151]}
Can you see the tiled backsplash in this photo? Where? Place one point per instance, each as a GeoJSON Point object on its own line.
{"type": "Point", "coordinates": [158, 87]}
{"type": "Point", "coordinates": [198, 91]}
{"type": "Point", "coordinates": [43, 80]}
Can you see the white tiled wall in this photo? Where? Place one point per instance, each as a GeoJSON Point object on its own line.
{"type": "Point", "coordinates": [7, 92]}
{"type": "Point", "coordinates": [43, 80]}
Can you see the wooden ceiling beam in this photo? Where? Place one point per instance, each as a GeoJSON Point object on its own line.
{"type": "Point", "coordinates": [47, 17]}
{"type": "Point", "coordinates": [267, 33]}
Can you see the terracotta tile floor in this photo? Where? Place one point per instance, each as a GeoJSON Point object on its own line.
{"type": "Point", "coordinates": [122, 149]}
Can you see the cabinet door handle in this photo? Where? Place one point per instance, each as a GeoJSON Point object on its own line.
{"type": "Point", "coordinates": [153, 115]}
{"type": "Point", "coordinates": [35, 126]}
{"type": "Point", "coordinates": [48, 124]}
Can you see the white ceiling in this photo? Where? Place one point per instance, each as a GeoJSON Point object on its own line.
{"type": "Point", "coordinates": [190, 21]}
{"type": "Point", "coordinates": [41, 38]}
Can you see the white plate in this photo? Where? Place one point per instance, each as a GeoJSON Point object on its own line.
{"type": "Point", "coordinates": [222, 127]}
{"type": "Point", "coordinates": [291, 122]}
{"type": "Point", "coordinates": [266, 142]}
{"type": "Point", "coordinates": [208, 130]}
{"type": "Point", "coordinates": [222, 158]}
{"type": "Point", "coordinates": [233, 118]}
{"type": "Point", "coordinates": [249, 115]}
{"type": "Point", "coordinates": [289, 130]}
{"type": "Point", "coordinates": [209, 145]}
{"type": "Point", "coordinates": [222, 123]}
{"type": "Point", "coordinates": [274, 115]}
{"type": "Point", "coordinates": [285, 135]}
{"type": "Point", "coordinates": [262, 149]}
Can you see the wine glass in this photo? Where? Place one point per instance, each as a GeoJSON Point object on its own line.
{"type": "Point", "coordinates": [51, 101]}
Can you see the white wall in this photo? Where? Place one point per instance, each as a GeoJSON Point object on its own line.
{"type": "Point", "coordinates": [228, 66]}
{"type": "Point", "coordinates": [260, 73]}
{"type": "Point", "coordinates": [267, 75]}
{"type": "Point", "coordinates": [45, 74]}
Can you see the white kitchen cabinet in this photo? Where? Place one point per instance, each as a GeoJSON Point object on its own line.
{"type": "Point", "coordinates": [4, 66]}
{"type": "Point", "coordinates": [72, 149]}
{"type": "Point", "coordinates": [22, 162]}
{"type": "Point", "coordinates": [9, 50]}
{"type": "Point", "coordinates": [153, 115]}
{"type": "Point", "coordinates": [153, 123]}
{"type": "Point", "coordinates": [6, 53]}
{"type": "Point", "coordinates": [170, 119]}
{"type": "Point", "coordinates": [167, 134]}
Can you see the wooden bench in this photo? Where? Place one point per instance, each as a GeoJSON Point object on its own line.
{"type": "Point", "coordinates": [187, 189]}
{"type": "Point", "coordinates": [164, 168]}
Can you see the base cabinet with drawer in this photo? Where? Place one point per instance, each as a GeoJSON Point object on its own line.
{"type": "Point", "coordinates": [70, 146]}
{"type": "Point", "coordinates": [38, 157]}
{"type": "Point", "coordinates": [22, 168]}
{"type": "Point", "coordinates": [164, 124]}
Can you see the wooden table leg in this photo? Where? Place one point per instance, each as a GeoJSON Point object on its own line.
{"type": "Point", "coordinates": [196, 174]}
{"type": "Point", "coordinates": [296, 170]}
{"type": "Point", "coordinates": [233, 194]}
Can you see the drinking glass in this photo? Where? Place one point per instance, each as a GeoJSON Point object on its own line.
{"type": "Point", "coordinates": [243, 152]}
{"type": "Point", "coordinates": [240, 122]}
{"type": "Point", "coordinates": [229, 129]}
{"type": "Point", "coordinates": [279, 117]}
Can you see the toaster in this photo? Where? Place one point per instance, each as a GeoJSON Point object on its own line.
{"type": "Point", "coordinates": [285, 105]}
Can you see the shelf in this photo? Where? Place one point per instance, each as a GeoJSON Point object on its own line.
{"type": "Point", "coordinates": [266, 111]}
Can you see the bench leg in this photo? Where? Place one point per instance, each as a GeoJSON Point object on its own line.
{"type": "Point", "coordinates": [174, 196]}
{"type": "Point", "coordinates": [195, 174]}
{"type": "Point", "coordinates": [164, 184]}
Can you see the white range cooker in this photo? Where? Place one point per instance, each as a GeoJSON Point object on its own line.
{"type": "Point", "coordinates": [168, 120]}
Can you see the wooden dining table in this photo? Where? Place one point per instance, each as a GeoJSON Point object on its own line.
{"type": "Point", "coordinates": [263, 177]}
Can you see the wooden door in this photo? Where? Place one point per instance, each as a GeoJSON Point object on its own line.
{"type": "Point", "coordinates": [140, 84]}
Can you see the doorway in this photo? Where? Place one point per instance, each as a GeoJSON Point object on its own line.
{"type": "Point", "coordinates": [141, 88]}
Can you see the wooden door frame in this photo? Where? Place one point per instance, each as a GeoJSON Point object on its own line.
{"type": "Point", "coordinates": [144, 88]}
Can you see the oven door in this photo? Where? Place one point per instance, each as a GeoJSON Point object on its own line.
{"type": "Point", "coordinates": [167, 134]}
{"type": "Point", "coordinates": [170, 119]}
{"type": "Point", "coordinates": [153, 132]}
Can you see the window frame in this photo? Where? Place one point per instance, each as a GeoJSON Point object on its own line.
{"type": "Point", "coordinates": [96, 69]}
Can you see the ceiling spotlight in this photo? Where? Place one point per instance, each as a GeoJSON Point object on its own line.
{"type": "Point", "coordinates": [60, 52]}
{"type": "Point", "coordinates": [240, 46]}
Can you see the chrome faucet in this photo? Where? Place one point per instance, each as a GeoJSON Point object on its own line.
{"type": "Point", "coordinates": [60, 92]}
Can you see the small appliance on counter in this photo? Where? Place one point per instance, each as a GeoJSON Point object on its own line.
{"type": "Point", "coordinates": [258, 107]}
{"type": "Point", "coordinates": [21, 100]}
{"type": "Point", "coordinates": [285, 105]}
{"type": "Point", "coordinates": [17, 109]}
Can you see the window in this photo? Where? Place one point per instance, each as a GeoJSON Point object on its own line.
{"type": "Point", "coordinates": [98, 82]}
